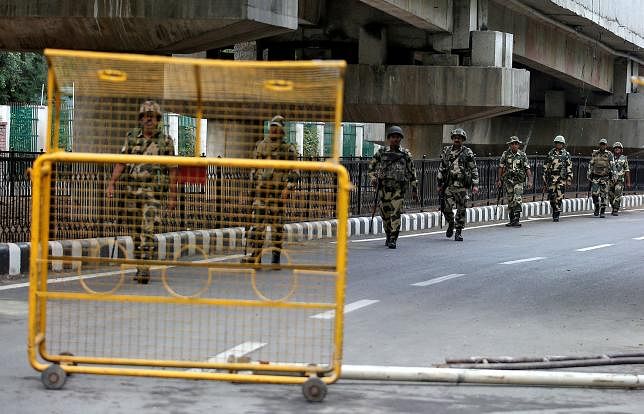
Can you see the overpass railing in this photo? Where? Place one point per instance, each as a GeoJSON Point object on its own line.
{"type": "Point", "coordinates": [202, 189]}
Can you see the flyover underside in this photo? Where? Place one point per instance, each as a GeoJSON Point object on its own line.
{"type": "Point", "coordinates": [421, 114]}
{"type": "Point", "coordinates": [433, 94]}
{"type": "Point", "coordinates": [129, 34]}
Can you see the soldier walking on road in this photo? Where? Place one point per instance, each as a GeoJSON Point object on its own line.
{"type": "Point", "coordinates": [601, 171]}
{"type": "Point", "coordinates": [457, 173]}
{"type": "Point", "coordinates": [270, 191]}
{"type": "Point", "coordinates": [513, 170]}
{"type": "Point", "coordinates": [557, 173]}
{"type": "Point", "coordinates": [391, 169]}
{"type": "Point", "coordinates": [146, 184]}
{"type": "Point", "coordinates": [616, 187]}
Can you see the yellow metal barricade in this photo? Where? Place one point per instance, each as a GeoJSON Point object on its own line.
{"type": "Point", "coordinates": [189, 266]}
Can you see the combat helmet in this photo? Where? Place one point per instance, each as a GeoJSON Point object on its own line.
{"type": "Point", "coordinates": [394, 129]}
{"type": "Point", "coordinates": [459, 131]}
{"type": "Point", "coordinates": [618, 144]}
{"type": "Point", "coordinates": [150, 106]}
{"type": "Point", "coordinates": [560, 139]}
{"type": "Point", "coordinates": [603, 141]}
{"type": "Point", "coordinates": [514, 138]}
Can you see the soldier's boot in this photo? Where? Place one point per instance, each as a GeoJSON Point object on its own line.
{"type": "Point", "coordinates": [615, 212]}
{"type": "Point", "coordinates": [392, 240]}
{"type": "Point", "coordinates": [602, 212]}
{"type": "Point", "coordinates": [511, 218]}
{"type": "Point", "coordinates": [387, 239]}
{"type": "Point", "coordinates": [143, 276]}
{"type": "Point", "coordinates": [450, 229]}
{"type": "Point", "coordinates": [515, 222]}
{"type": "Point", "coordinates": [457, 236]}
{"type": "Point", "coordinates": [555, 216]}
{"type": "Point", "coordinates": [275, 259]}
{"type": "Point", "coordinates": [596, 202]}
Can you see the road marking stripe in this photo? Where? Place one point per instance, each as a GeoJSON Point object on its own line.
{"type": "Point", "coordinates": [438, 279]}
{"type": "Point", "coordinates": [530, 259]}
{"type": "Point", "coordinates": [599, 246]}
{"type": "Point", "coordinates": [116, 272]}
{"type": "Point", "coordinates": [348, 308]}
{"type": "Point", "coordinates": [638, 238]}
{"type": "Point", "coordinates": [237, 351]}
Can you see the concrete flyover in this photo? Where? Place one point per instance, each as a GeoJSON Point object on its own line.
{"type": "Point", "coordinates": [160, 26]}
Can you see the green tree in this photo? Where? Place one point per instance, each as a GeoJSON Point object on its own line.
{"type": "Point", "coordinates": [311, 148]}
{"type": "Point", "coordinates": [22, 76]}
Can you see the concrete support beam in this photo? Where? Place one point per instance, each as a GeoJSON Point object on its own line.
{"type": "Point", "coordinates": [545, 47]}
{"type": "Point", "coordinates": [432, 94]}
{"type": "Point", "coordinates": [423, 139]}
{"type": "Point", "coordinates": [432, 16]}
{"type": "Point", "coordinates": [487, 48]}
{"type": "Point", "coordinates": [555, 104]}
{"type": "Point", "coordinates": [372, 48]}
{"type": "Point", "coordinates": [635, 106]}
{"type": "Point", "coordinates": [133, 25]}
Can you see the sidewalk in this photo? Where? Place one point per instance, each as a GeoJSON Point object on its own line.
{"type": "Point", "coordinates": [14, 257]}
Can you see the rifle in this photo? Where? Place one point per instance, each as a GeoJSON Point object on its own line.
{"type": "Point", "coordinates": [375, 206]}
{"type": "Point", "coordinates": [441, 204]}
{"type": "Point", "coordinates": [499, 196]}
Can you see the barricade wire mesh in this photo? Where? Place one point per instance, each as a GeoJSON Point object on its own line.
{"type": "Point", "coordinates": [161, 277]}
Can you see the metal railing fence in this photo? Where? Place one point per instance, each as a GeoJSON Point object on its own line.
{"type": "Point", "coordinates": [205, 195]}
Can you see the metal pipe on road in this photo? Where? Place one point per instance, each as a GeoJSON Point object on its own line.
{"type": "Point", "coordinates": [483, 376]}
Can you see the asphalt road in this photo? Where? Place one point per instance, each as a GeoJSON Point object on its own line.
{"type": "Point", "coordinates": [572, 288]}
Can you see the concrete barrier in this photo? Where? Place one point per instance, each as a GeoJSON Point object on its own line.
{"type": "Point", "coordinates": [14, 257]}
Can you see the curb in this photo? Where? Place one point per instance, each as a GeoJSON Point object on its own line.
{"type": "Point", "coordinates": [14, 257]}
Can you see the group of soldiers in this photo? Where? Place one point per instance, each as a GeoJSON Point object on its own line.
{"type": "Point", "coordinates": [392, 171]}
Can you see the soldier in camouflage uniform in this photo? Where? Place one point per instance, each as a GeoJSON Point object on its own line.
{"type": "Point", "coordinates": [601, 171]}
{"type": "Point", "coordinates": [146, 183]}
{"type": "Point", "coordinates": [270, 191]}
{"type": "Point", "coordinates": [616, 187]}
{"type": "Point", "coordinates": [557, 173]}
{"type": "Point", "coordinates": [391, 169]}
{"type": "Point", "coordinates": [513, 170]}
{"type": "Point", "coordinates": [456, 174]}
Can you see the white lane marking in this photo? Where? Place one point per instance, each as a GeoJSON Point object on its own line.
{"type": "Point", "coordinates": [348, 308]}
{"type": "Point", "coordinates": [116, 272]}
{"type": "Point", "coordinates": [638, 238]}
{"type": "Point", "coordinates": [530, 259]}
{"type": "Point", "coordinates": [438, 279]}
{"type": "Point", "coordinates": [13, 308]}
{"type": "Point", "coordinates": [236, 351]}
{"type": "Point", "coordinates": [599, 246]}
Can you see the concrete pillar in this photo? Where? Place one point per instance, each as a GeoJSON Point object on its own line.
{"type": "Point", "coordinates": [488, 48]}
{"type": "Point", "coordinates": [320, 129]}
{"type": "Point", "coordinates": [230, 138]}
{"type": "Point", "coordinates": [5, 118]}
{"type": "Point", "coordinates": [246, 51]}
{"type": "Point", "coordinates": [508, 49]}
{"type": "Point", "coordinates": [372, 47]}
{"type": "Point", "coordinates": [299, 137]}
{"type": "Point", "coordinates": [482, 14]}
{"type": "Point", "coordinates": [465, 21]}
{"type": "Point", "coordinates": [173, 131]}
{"type": "Point", "coordinates": [359, 140]}
{"type": "Point", "coordinates": [555, 105]}
{"type": "Point", "coordinates": [635, 105]}
{"type": "Point", "coordinates": [621, 80]}
{"type": "Point", "coordinates": [423, 140]}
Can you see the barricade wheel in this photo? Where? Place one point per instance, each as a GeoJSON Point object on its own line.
{"type": "Point", "coordinates": [314, 389]}
{"type": "Point", "coordinates": [54, 377]}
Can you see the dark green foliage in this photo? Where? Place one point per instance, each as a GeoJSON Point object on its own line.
{"type": "Point", "coordinates": [22, 76]}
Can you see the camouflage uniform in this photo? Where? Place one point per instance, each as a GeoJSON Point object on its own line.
{"type": "Point", "coordinates": [268, 184]}
{"type": "Point", "coordinates": [557, 169]}
{"type": "Point", "coordinates": [393, 169]}
{"type": "Point", "coordinates": [616, 187]}
{"type": "Point", "coordinates": [601, 171]}
{"type": "Point", "coordinates": [456, 174]}
{"type": "Point", "coordinates": [515, 166]}
{"type": "Point", "coordinates": [145, 183]}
